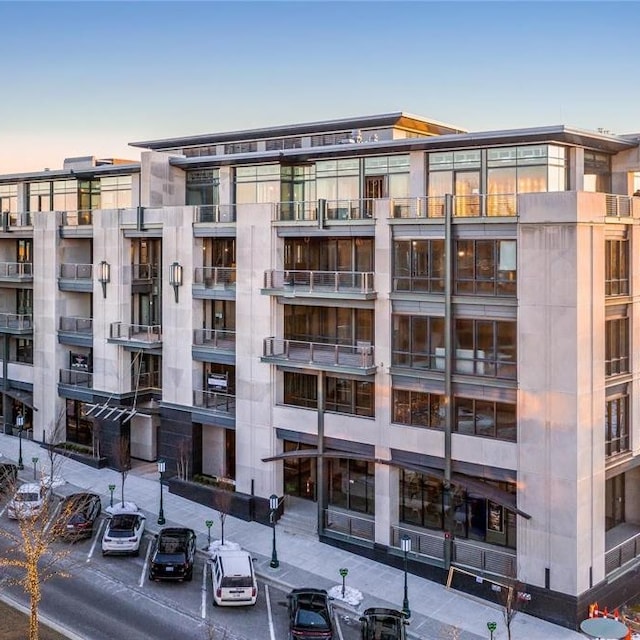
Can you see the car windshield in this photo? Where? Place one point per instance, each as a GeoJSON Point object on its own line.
{"type": "Point", "coordinates": [236, 581]}
{"type": "Point", "coordinates": [122, 526]}
{"type": "Point", "coordinates": [311, 619]}
{"type": "Point", "coordinates": [172, 545]}
{"type": "Point", "coordinates": [27, 497]}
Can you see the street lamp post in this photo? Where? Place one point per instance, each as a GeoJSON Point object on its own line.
{"type": "Point", "coordinates": [273, 506]}
{"type": "Point", "coordinates": [492, 627]}
{"type": "Point", "coordinates": [406, 547]}
{"type": "Point", "coordinates": [208, 524]}
{"type": "Point", "coordinates": [20, 425]}
{"type": "Point", "coordinates": [112, 488]}
{"type": "Point", "coordinates": [222, 515]}
{"type": "Point", "coordinates": [161, 468]}
{"type": "Point", "coordinates": [35, 464]}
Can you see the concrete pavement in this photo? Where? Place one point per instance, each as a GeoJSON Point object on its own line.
{"type": "Point", "coordinates": [437, 613]}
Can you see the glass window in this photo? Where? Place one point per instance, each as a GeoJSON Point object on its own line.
{"type": "Point", "coordinates": [617, 425]}
{"type": "Point", "coordinates": [485, 267]}
{"type": "Point", "coordinates": [418, 409]}
{"type": "Point", "coordinates": [617, 267]}
{"type": "Point", "coordinates": [257, 184]}
{"type": "Point", "coordinates": [352, 485]}
{"type": "Point", "coordinates": [9, 198]}
{"type": "Point", "coordinates": [353, 397]}
{"type": "Point", "coordinates": [115, 192]}
{"type": "Point", "coordinates": [418, 342]}
{"type": "Point", "coordinates": [616, 346]}
{"type": "Point", "coordinates": [419, 265]}
{"type": "Point", "coordinates": [40, 195]}
{"type": "Point", "coordinates": [65, 195]}
{"type": "Point", "coordinates": [485, 418]}
{"type": "Point", "coordinates": [300, 389]}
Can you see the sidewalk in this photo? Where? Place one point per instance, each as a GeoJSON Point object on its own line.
{"type": "Point", "coordinates": [436, 612]}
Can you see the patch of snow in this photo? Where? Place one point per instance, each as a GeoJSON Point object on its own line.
{"type": "Point", "coordinates": [217, 544]}
{"type": "Point", "coordinates": [123, 507]}
{"type": "Point", "coordinates": [351, 596]}
{"type": "Point", "coordinates": [52, 482]}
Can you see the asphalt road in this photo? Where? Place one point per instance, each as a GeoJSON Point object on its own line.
{"type": "Point", "coordinates": [111, 597]}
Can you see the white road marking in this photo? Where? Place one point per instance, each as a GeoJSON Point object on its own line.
{"type": "Point", "coordinates": [95, 541]}
{"type": "Point", "coordinates": [146, 563]}
{"type": "Point", "coordinates": [52, 518]}
{"type": "Point", "coordinates": [338, 627]}
{"type": "Point", "coordinates": [272, 632]}
{"type": "Point", "coordinates": [203, 605]}
{"type": "Point", "coordinates": [4, 509]}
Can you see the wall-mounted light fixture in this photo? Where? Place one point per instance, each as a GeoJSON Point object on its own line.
{"type": "Point", "coordinates": [104, 276]}
{"type": "Point", "coordinates": [175, 277]}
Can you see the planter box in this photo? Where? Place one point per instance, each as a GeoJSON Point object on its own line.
{"type": "Point", "coordinates": [85, 458]}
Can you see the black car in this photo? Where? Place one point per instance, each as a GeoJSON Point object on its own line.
{"type": "Point", "coordinates": [77, 515]}
{"type": "Point", "coordinates": [378, 623]}
{"type": "Point", "coordinates": [310, 615]}
{"type": "Point", "coordinates": [8, 477]}
{"type": "Point", "coordinates": [173, 552]}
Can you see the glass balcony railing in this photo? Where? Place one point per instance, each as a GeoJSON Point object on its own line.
{"type": "Point", "coordinates": [15, 220]}
{"type": "Point", "coordinates": [16, 271]}
{"type": "Point", "coordinates": [215, 401]}
{"type": "Point", "coordinates": [148, 380]}
{"type": "Point", "coordinates": [210, 277]}
{"type": "Point", "coordinates": [325, 210]}
{"type": "Point", "coordinates": [83, 217]}
{"type": "Point", "coordinates": [361, 282]}
{"type": "Point", "coordinates": [467, 206]}
{"type": "Point", "coordinates": [359, 356]}
{"type": "Point", "coordinates": [16, 321]}
{"type": "Point", "coordinates": [76, 325]}
{"type": "Point", "coordinates": [71, 271]}
{"type": "Point", "coordinates": [75, 378]}
{"type": "Point", "coordinates": [218, 339]}
{"type": "Point", "coordinates": [142, 333]}
{"type": "Point", "coordinates": [214, 213]}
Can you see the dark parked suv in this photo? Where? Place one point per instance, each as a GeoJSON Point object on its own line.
{"type": "Point", "coordinates": [310, 615]}
{"type": "Point", "coordinates": [379, 623]}
{"type": "Point", "coordinates": [77, 515]}
{"type": "Point", "coordinates": [173, 552]}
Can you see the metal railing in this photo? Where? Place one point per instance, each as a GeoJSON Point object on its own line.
{"type": "Point", "coordinates": [215, 339]}
{"type": "Point", "coordinates": [14, 219]}
{"type": "Point", "coordinates": [360, 209]}
{"type": "Point", "coordinates": [320, 353]}
{"type": "Point", "coordinates": [298, 211]}
{"type": "Point", "coordinates": [349, 525]}
{"type": "Point", "coordinates": [215, 401]}
{"type": "Point", "coordinates": [76, 325]}
{"type": "Point", "coordinates": [147, 380]}
{"type": "Point", "coordinates": [16, 321]}
{"type": "Point", "coordinates": [622, 553]}
{"type": "Point", "coordinates": [475, 556]}
{"type": "Point", "coordinates": [23, 270]}
{"type": "Point", "coordinates": [215, 276]}
{"type": "Point", "coordinates": [617, 206]}
{"type": "Point", "coordinates": [423, 543]}
{"type": "Point", "coordinates": [76, 378]}
{"type": "Point", "coordinates": [475, 205]}
{"type": "Point", "coordinates": [82, 217]}
{"type": "Point", "coordinates": [321, 281]}
{"type": "Point", "coordinates": [142, 271]}
{"type": "Point", "coordinates": [136, 332]}
{"type": "Point", "coordinates": [214, 213]}
{"type": "Point", "coordinates": [73, 271]}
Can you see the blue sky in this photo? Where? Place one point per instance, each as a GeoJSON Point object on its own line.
{"type": "Point", "coordinates": [86, 78]}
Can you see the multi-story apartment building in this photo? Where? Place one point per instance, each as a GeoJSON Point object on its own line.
{"type": "Point", "coordinates": [415, 330]}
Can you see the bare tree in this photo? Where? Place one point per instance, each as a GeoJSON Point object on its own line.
{"type": "Point", "coordinates": [122, 459]}
{"type": "Point", "coordinates": [183, 462]}
{"type": "Point", "coordinates": [95, 438]}
{"type": "Point", "coordinates": [56, 436]}
{"type": "Point", "coordinates": [223, 503]}
{"type": "Point", "coordinates": [513, 599]}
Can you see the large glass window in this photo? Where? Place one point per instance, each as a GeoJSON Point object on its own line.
{"type": "Point", "coordinates": [486, 348]}
{"type": "Point", "coordinates": [202, 186]}
{"type": "Point", "coordinates": [418, 409]}
{"type": "Point", "coordinates": [597, 172]}
{"type": "Point", "coordinates": [616, 267]}
{"type": "Point", "coordinates": [352, 485]}
{"type": "Point", "coordinates": [485, 418]}
{"type": "Point", "coordinates": [338, 180]}
{"type": "Point", "coordinates": [257, 184]}
{"type": "Point", "coordinates": [616, 346]}
{"type": "Point", "coordinates": [65, 195]}
{"type": "Point", "coordinates": [331, 325]}
{"type": "Point", "coordinates": [417, 342]}
{"type": "Point", "coordinates": [418, 265]}
{"type": "Point", "coordinates": [485, 267]}
{"type": "Point", "coordinates": [40, 195]}
{"type": "Point", "coordinates": [9, 198]}
{"type": "Point", "coordinates": [616, 438]}
{"type": "Point", "coordinates": [88, 195]}
{"type": "Point", "coordinates": [79, 425]}
{"type": "Point", "coordinates": [329, 254]}
{"type": "Point", "coordinates": [614, 502]}
{"type": "Point", "coordinates": [115, 192]}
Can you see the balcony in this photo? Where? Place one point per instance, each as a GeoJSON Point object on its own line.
{"type": "Point", "coordinates": [214, 345]}
{"type": "Point", "coordinates": [136, 336]}
{"type": "Point", "coordinates": [14, 323]}
{"type": "Point", "coordinates": [326, 211]}
{"type": "Point", "coordinates": [76, 331]}
{"type": "Point", "coordinates": [76, 277]}
{"type": "Point", "coordinates": [12, 221]}
{"type": "Point", "coordinates": [76, 378]}
{"type": "Point", "coordinates": [142, 276]}
{"type": "Point", "coordinates": [358, 359]}
{"type": "Point", "coordinates": [213, 407]}
{"type": "Point", "coordinates": [214, 282]}
{"type": "Point", "coordinates": [76, 224]}
{"type": "Point", "coordinates": [147, 381]}
{"type": "Point", "coordinates": [16, 272]}
{"type": "Point", "coordinates": [468, 206]}
{"type": "Point", "coordinates": [320, 284]}
{"type": "Point", "coordinates": [214, 214]}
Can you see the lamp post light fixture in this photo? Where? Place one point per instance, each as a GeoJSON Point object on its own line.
{"type": "Point", "coordinates": [175, 277]}
{"type": "Point", "coordinates": [35, 465]}
{"type": "Point", "coordinates": [161, 468]}
{"type": "Point", "coordinates": [20, 425]}
{"type": "Point", "coordinates": [406, 547]}
{"type": "Point", "coordinates": [112, 488]}
{"type": "Point", "coordinates": [222, 515]}
{"type": "Point", "coordinates": [492, 627]}
{"type": "Point", "coordinates": [273, 506]}
{"type": "Point", "coordinates": [104, 276]}
{"type": "Point", "coordinates": [208, 524]}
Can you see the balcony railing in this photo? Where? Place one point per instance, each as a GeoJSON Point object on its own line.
{"type": "Point", "coordinates": [423, 543]}
{"type": "Point", "coordinates": [360, 356]}
{"type": "Point", "coordinates": [83, 217]}
{"type": "Point", "coordinates": [484, 558]}
{"type": "Point", "coordinates": [495, 204]}
{"type": "Point", "coordinates": [349, 525]}
{"type": "Point", "coordinates": [326, 210]}
{"type": "Point", "coordinates": [76, 325]}
{"type": "Point", "coordinates": [214, 213]}
{"type": "Point", "coordinates": [214, 401]}
{"type": "Point", "coordinates": [147, 380]}
{"type": "Point", "coordinates": [297, 211]}
{"type": "Point", "coordinates": [321, 281]}
{"type": "Point", "coordinates": [215, 339]}
{"type": "Point", "coordinates": [16, 270]}
{"type": "Point", "coordinates": [361, 209]}
{"type": "Point", "coordinates": [210, 277]}
{"type": "Point", "coordinates": [75, 378]}
{"type": "Point", "coordinates": [622, 553]}
{"type": "Point", "coordinates": [71, 271]}
{"type": "Point", "coordinates": [16, 321]}
{"type": "Point", "coordinates": [11, 219]}
{"type": "Point", "coordinates": [149, 334]}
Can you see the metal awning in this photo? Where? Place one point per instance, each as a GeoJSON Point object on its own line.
{"type": "Point", "coordinates": [26, 397]}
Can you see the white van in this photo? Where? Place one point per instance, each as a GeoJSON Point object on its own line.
{"type": "Point", "coordinates": [27, 501]}
{"type": "Point", "coordinates": [233, 579]}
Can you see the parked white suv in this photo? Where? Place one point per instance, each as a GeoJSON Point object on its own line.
{"type": "Point", "coordinates": [123, 534]}
{"type": "Point", "coordinates": [28, 501]}
{"type": "Point", "coordinates": [233, 579]}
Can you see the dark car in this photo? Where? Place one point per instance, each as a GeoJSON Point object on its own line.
{"type": "Point", "coordinates": [8, 477]}
{"type": "Point", "coordinates": [173, 552]}
{"type": "Point", "coordinates": [378, 623]}
{"type": "Point", "coordinates": [77, 515]}
{"type": "Point", "coordinates": [310, 615]}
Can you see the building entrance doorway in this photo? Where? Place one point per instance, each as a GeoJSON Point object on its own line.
{"type": "Point", "coordinates": [299, 473]}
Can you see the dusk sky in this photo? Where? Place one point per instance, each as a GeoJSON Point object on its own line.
{"type": "Point", "coordinates": [87, 78]}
